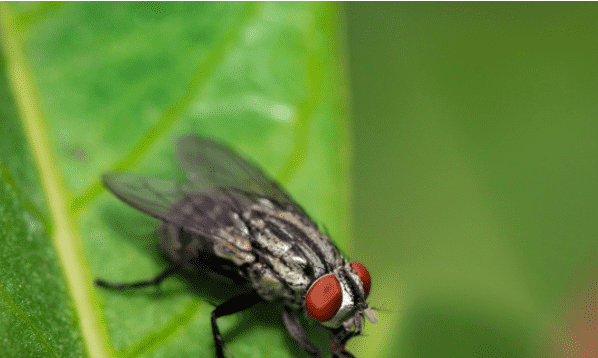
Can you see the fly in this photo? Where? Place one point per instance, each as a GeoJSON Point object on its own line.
{"type": "Point", "coordinates": [232, 218]}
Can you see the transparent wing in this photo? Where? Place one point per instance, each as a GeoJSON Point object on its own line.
{"type": "Point", "coordinates": [207, 214]}
{"type": "Point", "coordinates": [209, 164]}
{"type": "Point", "coordinates": [153, 196]}
{"type": "Point", "coordinates": [169, 201]}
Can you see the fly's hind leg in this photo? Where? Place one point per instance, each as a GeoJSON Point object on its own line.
{"type": "Point", "coordinates": [132, 285]}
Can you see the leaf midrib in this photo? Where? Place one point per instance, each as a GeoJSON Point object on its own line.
{"type": "Point", "coordinates": [65, 237]}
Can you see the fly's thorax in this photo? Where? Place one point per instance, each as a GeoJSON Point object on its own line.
{"type": "Point", "coordinates": [293, 229]}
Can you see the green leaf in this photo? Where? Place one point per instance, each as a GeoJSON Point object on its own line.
{"type": "Point", "coordinates": [36, 313]}
{"type": "Point", "coordinates": [88, 88]}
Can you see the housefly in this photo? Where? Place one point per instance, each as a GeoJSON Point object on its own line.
{"type": "Point", "coordinates": [231, 215]}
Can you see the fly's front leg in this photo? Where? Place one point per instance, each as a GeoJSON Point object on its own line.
{"type": "Point", "coordinates": [132, 285]}
{"type": "Point", "coordinates": [343, 354]}
{"type": "Point", "coordinates": [338, 343]}
{"type": "Point", "coordinates": [293, 324]}
{"type": "Point", "coordinates": [232, 306]}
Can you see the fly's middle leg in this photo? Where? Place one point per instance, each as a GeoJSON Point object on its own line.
{"type": "Point", "coordinates": [232, 306]}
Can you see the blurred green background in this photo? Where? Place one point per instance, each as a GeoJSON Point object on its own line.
{"type": "Point", "coordinates": [475, 171]}
{"type": "Point", "coordinates": [450, 147]}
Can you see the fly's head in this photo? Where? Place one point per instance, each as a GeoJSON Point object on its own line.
{"type": "Point", "coordinates": [338, 301]}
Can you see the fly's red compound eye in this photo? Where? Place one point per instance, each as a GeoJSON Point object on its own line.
{"type": "Point", "coordinates": [324, 298]}
{"type": "Point", "coordinates": [364, 275]}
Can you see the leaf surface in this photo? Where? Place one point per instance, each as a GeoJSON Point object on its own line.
{"type": "Point", "coordinates": [90, 88]}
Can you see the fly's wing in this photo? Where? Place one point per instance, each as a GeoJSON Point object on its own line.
{"type": "Point", "coordinates": [209, 164]}
{"type": "Point", "coordinates": [202, 212]}
{"type": "Point", "coordinates": [153, 196]}
{"type": "Point", "coordinates": [211, 214]}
